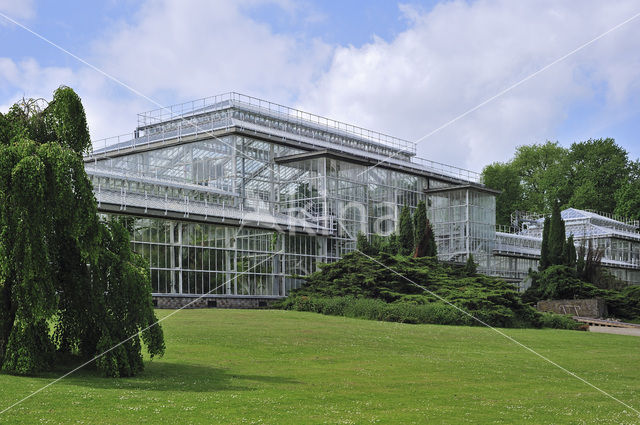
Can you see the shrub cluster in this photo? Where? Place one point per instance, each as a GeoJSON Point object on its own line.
{"type": "Point", "coordinates": [563, 282]}
{"type": "Point", "coordinates": [372, 309]}
{"type": "Point", "coordinates": [382, 289]}
{"type": "Point", "coordinates": [436, 312]}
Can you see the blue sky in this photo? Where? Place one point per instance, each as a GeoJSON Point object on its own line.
{"type": "Point", "coordinates": [399, 68]}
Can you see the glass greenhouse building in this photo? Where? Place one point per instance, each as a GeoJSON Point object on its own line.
{"type": "Point", "coordinates": [236, 197]}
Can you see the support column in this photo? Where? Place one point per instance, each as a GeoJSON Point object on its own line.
{"type": "Point", "coordinates": [172, 255]}
{"type": "Point", "coordinates": [180, 248]}
{"type": "Point", "coordinates": [468, 224]}
{"type": "Point", "coordinates": [229, 276]}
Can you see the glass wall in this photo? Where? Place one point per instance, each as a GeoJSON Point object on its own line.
{"type": "Point", "coordinates": [195, 258]}
{"type": "Point", "coordinates": [463, 221]}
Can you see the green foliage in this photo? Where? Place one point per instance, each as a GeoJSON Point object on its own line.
{"type": "Point", "coordinates": [544, 250]}
{"type": "Point", "coordinates": [580, 261]}
{"type": "Point", "coordinates": [431, 246]}
{"type": "Point", "coordinates": [490, 299]}
{"type": "Point", "coordinates": [437, 313]}
{"type": "Point", "coordinates": [542, 170]}
{"type": "Point", "coordinates": [470, 267]}
{"type": "Point", "coordinates": [389, 244]}
{"type": "Point", "coordinates": [592, 260]}
{"type": "Point", "coordinates": [59, 266]}
{"type": "Point", "coordinates": [541, 174]}
{"type": "Point", "coordinates": [595, 180]}
{"type": "Point", "coordinates": [419, 226]}
{"type": "Point", "coordinates": [557, 321]}
{"type": "Point", "coordinates": [425, 242]}
{"type": "Point", "coordinates": [557, 236]}
{"type": "Point", "coordinates": [559, 282]}
{"type": "Point", "coordinates": [570, 253]}
{"type": "Point", "coordinates": [562, 282]}
{"type": "Point", "coordinates": [405, 232]}
{"type": "Point", "coordinates": [627, 197]}
{"type": "Point", "coordinates": [363, 245]}
{"type": "Point", "coordinates": [505, 178]}
{"type": "Point", "coordinates": [555, 250]}
{"type": "Point", "coordinates": [123, 277]}
{"type": "Point", "coordinates": [65, 116]}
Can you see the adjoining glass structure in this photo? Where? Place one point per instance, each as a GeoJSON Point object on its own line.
{"type": "Point", "coordinates": [236, 196]}
{"type": "Point", "coordinates": [617, 239]}
{"type": "Point", "coordinates": [464, 218]}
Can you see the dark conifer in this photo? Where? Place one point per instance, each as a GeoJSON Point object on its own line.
{"type": "Point", "coordinates": [405, 232]}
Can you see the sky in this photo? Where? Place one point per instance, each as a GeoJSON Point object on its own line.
{"type": "Point", "coordinates": [428, 71]}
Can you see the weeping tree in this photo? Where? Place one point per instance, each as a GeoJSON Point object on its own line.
{"type": "Point", "coordinates": [70, 286]}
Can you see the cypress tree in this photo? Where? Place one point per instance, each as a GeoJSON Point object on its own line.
{"type": "Point", "coordinates": [419, 224]}
{"type": "Point", "coordinates": [580, 264]}
{"type": "Point", "coordinates": [405, 232]}
{"type": "Point", "coordinates": [471, 267]}
{"type": "Point", "coordinates": [425, 243]}
{"type": "Point", "coordinates": [363, 245]}
{"type": "Point", "coordinates": [544, 250]}
{"type": "Point", "coordinates": [570, 253]}
{"type": "Point", "coordinates": [432, 248]}
{"type": "Point", "coordinates": [389, 244]}
{"type": "Point", "coordinates": [557, 237]}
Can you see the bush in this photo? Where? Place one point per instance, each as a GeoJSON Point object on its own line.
{"type": "Point", "coordinates": [558, 321]}
{"type": "Point", "coordinates": [561, 282]}
{"type": "Point", "coordinates": [437, 313]}
{"type": "Point", "coordinates": [359, 287]}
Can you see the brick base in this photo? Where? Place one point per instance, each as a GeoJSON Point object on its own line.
{"type": "Point", "coordinates": [193, 301]}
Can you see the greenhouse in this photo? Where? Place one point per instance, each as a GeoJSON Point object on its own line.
{"type": "Point", "coordinates": [617, 239]}
{"type": "Point", "coordinates": [236, 197]}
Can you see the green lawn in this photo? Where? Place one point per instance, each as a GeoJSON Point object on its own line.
{"type": "Point", "coordinates": [285, 367]}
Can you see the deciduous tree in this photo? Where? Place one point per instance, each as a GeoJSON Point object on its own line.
{"type": "Point", "coordinates": [59, 265]}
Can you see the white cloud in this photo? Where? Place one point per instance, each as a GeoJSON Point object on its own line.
{"type": "Point", "coordinates": [460, 54]}
{"type": "Point", "coordinates": [174, 52]}
{"type": "Point", "coordinates": [17, 9]}
{"type": "Point", "coordinates": [447, 61]}
{"type": "Point", "coordinates": [202, 48]}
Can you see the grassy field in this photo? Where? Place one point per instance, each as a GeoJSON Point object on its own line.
{"type": "Point", "coordinates": [284, 367]}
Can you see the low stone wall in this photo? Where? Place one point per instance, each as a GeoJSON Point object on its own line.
{"type": "Point", "coordinates": [592, 307]}
{"type": "Point", "coordinates": [193, 301]}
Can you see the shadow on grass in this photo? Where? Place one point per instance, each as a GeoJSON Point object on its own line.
{"type": "Point", "coordinates": [165, 376]}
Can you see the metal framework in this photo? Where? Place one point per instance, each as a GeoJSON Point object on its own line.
{"type": "Point", "coordinates": [617, 238]}
{"type": "Point", "coordinates": [237, 196]}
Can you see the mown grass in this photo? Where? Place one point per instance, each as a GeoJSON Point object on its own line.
{"type": "Point", "coordinates": [287, 367]}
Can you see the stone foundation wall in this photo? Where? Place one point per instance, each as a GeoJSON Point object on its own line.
{"type": "Point", "coordinates": [593, 307]}
{"type": "Point", "coordinates": [180, 301]}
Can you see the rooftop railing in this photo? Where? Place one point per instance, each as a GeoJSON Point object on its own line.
{"type": "Point", "coordinates": [624, 220]}
{"type": "Point", "coordinates": [233, 99]}
{"type": "Point", "coordinates": [448, 170]}
{"type": "Point", "coordinates": [195, 117]}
